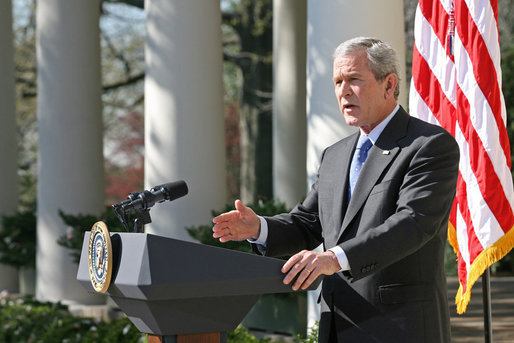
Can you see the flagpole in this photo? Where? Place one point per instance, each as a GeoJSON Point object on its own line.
{"type": "Point", "coordinates": [486, 293]}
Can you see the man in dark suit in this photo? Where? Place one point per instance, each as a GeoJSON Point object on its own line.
{"type": "Point", "coordinates": [383, 230]}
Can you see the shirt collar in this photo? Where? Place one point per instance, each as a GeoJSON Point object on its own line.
{"type": "Point", "coordinates": [375, 133]}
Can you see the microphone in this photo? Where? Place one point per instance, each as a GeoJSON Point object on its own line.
{"type": "Point", "coordinates": [146, 199]}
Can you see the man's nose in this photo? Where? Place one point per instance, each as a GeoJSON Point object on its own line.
{"type": "Point", "coordinates": [346, 90]}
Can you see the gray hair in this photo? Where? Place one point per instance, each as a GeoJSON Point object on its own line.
{"type": "Point", "coordinates": [382, 58]}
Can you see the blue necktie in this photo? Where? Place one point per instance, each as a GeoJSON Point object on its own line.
{"type": "Point", "coordinates": [359, 157]}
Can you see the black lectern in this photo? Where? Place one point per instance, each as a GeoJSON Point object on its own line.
{"type": "Point", "coordinates": [169, 287]}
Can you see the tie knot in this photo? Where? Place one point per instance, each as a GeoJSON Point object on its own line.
{"type": "Point", "coordinates": [362, 148]}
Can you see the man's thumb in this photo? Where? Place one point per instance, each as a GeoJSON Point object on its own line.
{"type": "Point", "coordinates": [240, 207]}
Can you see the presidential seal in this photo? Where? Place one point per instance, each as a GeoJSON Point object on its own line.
{"type": "Point", "coordinates": [100, 257]}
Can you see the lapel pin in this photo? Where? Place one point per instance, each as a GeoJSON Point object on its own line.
{"type": "Point", "coordinates": [385, 152]}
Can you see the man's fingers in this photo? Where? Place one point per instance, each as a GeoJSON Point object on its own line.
{"type": "Point", "coordinates": [225, 238]}
{"type": "Point", "coordinates": [221, 229]}
{"type": "Point", "coordinates": [287, 266]}
{"type": "Point", "coordinates": [223, 234]}
{"type": "Point", "coordinates": [239, 224]}
{"type": "Point", "coordinates": [305, 276]}
{"type": "Point", "coordinates": [220, 226]}
{"type": "Point", "coordinates": [298, 266]}
{"type": "Point", "coordinates": [291, 262]}
{"type": "Point", "coordinates": [306, 266]}
{"type": "Point", "coordinates": [224, 217]}
{"type": "Point", "coordinates": [217, 232]}
{"type": "Point", "coordinates": [231, 215]}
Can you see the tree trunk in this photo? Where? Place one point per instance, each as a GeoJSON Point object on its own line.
{"type": "Point", "coordinates": [256, 36]}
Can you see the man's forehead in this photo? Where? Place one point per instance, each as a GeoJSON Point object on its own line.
{"type": "Point", "coordinates": [351, 63]}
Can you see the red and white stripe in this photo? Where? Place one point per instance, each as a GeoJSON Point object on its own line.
{"type": "Point", "coordinates": [460, 89]}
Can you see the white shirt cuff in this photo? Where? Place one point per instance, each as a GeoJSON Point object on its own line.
{"type": "Point", "coordinates": [341, 258]}
{"type": "Point", "coordinates": [263, 235]}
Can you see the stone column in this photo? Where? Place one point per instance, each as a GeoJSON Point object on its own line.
{"type": "Point", "coordinates": [184, 124]}
{"type": "Point", "coordinates": [8, 145]}
{"type": "Point", "coordinates": [289, 109]}
{"type": "Point", "coordinates": [71, 174]}
{"type": "Point", "coordinates": [329, 24]}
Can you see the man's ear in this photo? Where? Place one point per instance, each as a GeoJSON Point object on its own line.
{"type": "Point", "coordinates": [390, 81]}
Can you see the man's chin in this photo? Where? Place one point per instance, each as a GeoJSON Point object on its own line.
{"type": "Point", "coordinates": [350, 120]}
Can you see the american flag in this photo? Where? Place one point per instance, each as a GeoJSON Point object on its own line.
{"type": "Point", "coordinates": [456, 83]}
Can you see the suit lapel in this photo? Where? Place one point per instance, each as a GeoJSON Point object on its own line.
{"type": "Point", "coordinates": [379, 158]}
{"type": "Point", "coordinates": [341, 188]}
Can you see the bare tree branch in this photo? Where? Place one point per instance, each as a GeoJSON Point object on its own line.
{"type": "Point", "coordinates": [117, 54]}
{"type": "Point", "coordinates": [129, 81]}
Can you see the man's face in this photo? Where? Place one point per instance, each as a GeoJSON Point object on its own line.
{"type": "Point", "coordinates": [363, 101]}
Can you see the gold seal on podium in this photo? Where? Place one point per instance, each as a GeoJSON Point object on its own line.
{"type": "Point", "coordinates": [100, 257]}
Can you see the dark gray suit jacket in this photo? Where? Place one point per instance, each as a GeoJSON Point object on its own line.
{"type": "Point", "coordinates": [393, 232]}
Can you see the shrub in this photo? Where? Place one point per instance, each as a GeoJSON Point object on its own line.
{"type": "Point", "coordinates": [241, 335]}
{"type": "Point", "coordinates": [18, 239]}
{"type": "Point", "coordinates": [28, 320]}
{"type": "Point", "coordinates": [32, 321]}
{"type": "Point", "coordinates": [79, 224]}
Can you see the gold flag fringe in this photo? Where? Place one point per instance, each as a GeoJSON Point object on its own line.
{"type": "Point", "coordinates": [484, 260]}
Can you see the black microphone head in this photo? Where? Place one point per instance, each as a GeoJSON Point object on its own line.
{"type": "Point", "coordinates": [174, 190]}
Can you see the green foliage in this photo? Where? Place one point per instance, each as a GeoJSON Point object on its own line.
{"type": "Point", "coordinates": [312, 336]}
{"type": "Point", "coordinates": [450, 261]}
{"type": "Point", "coordinates": [203, 233]}
{"type": "Point", "coordinates": [505, 266]}
{"type": "Point", "coordinates": [28, 320]}
{"type": "Point", "coordinates": [18, 239]}
{"type": "Point", "coordinates": [241, 335]}
{"type": "Point", "coordinates": [79, 224]}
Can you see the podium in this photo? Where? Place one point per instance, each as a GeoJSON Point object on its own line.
{"type": "Point", "coordinates": [171, 289]}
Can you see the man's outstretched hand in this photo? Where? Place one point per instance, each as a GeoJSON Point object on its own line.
{"type": "Point", "coordinates": [237, 225]}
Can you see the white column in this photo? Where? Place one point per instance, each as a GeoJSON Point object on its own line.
{"type": "Point", "coordinates": [71, 175]}
{"type": "Point", "coordinates": [329, 24]}
{"type": "Point", "coordinates": [289, 109]}
{"type": "Point", "coordinates": [184, 125]}
{"type": "Point", "coordinates": [8, 145]}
